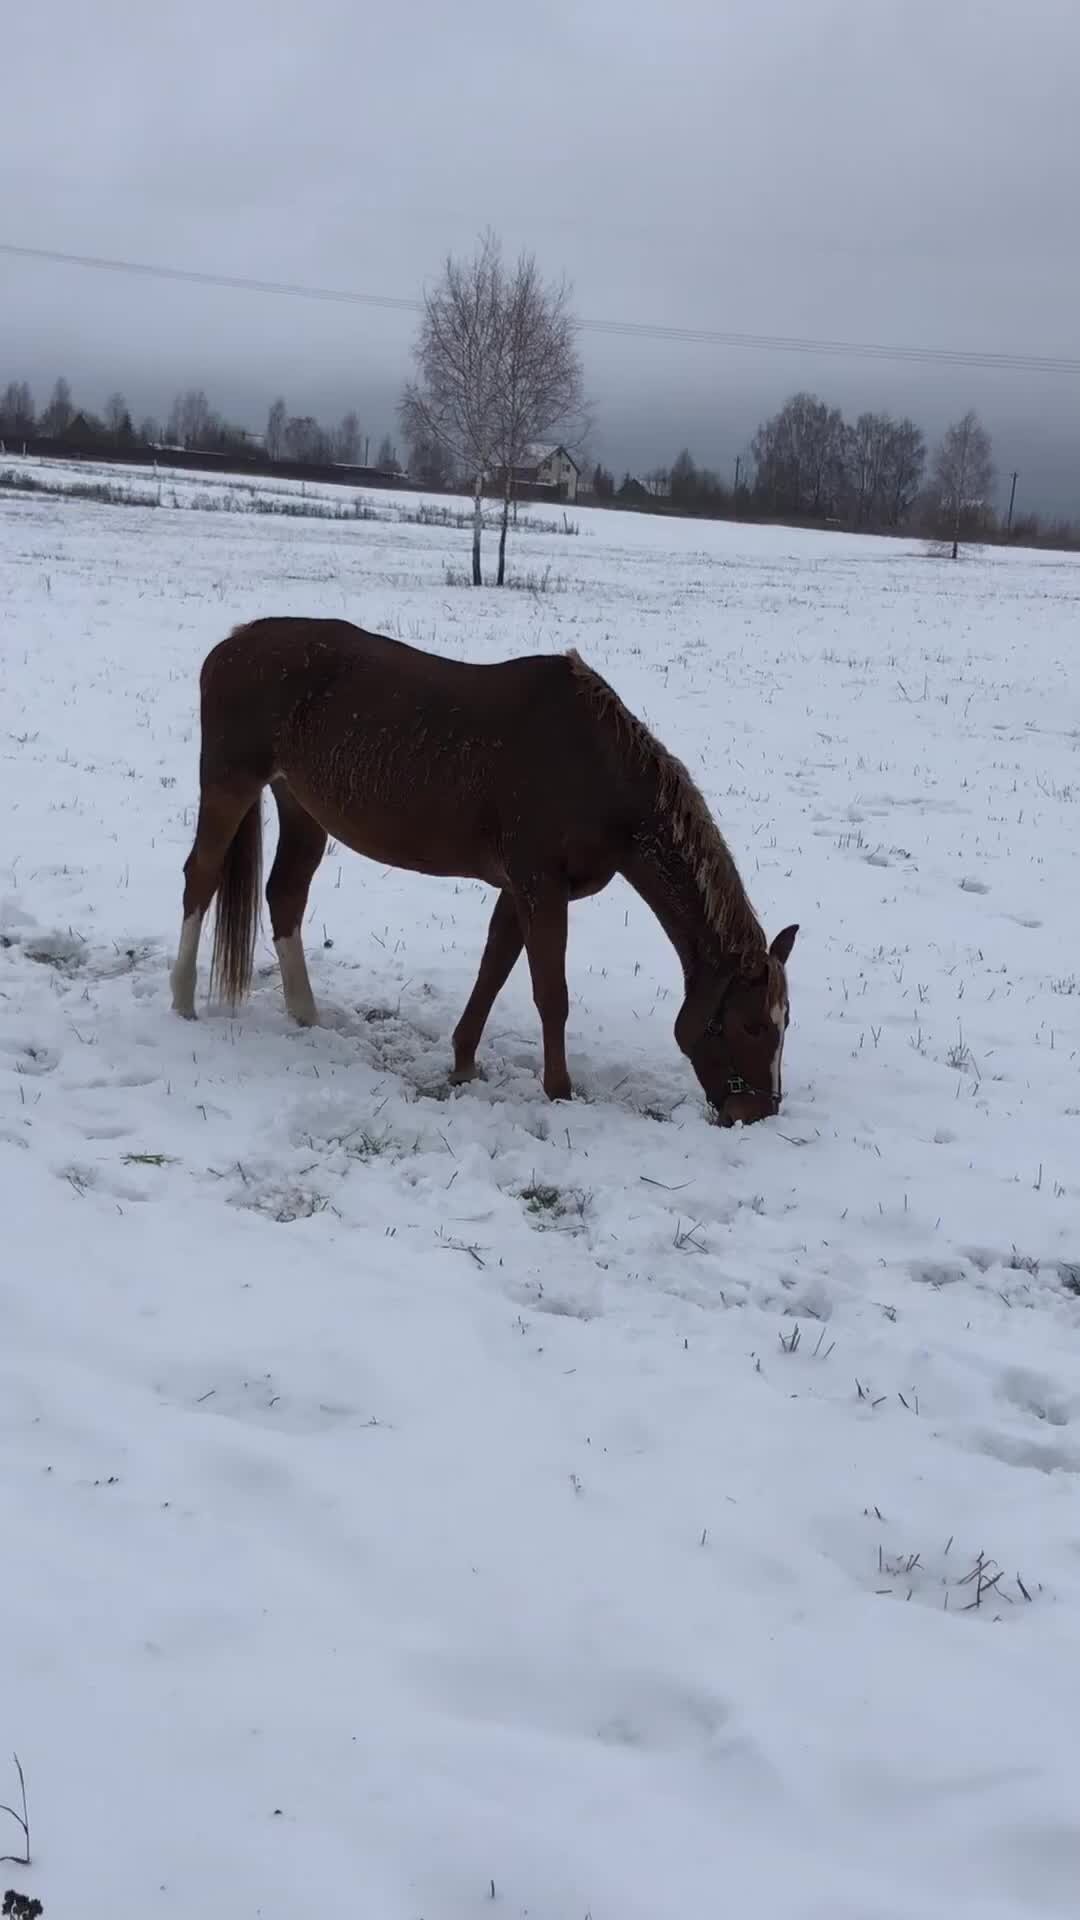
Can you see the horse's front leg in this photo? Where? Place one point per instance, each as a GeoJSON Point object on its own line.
{"type": "Point", "coordinates": [545, 944]}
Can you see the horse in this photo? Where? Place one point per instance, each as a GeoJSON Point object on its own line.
{"type": "Point", "coordinates": [529, 774]}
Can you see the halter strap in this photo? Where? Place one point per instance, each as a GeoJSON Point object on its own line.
{"type": "Point", "coordinates": [736, 1084]}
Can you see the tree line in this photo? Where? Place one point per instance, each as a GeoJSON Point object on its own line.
{"type": "Point", "coordinates": [807, 463]}
{"type": "Point", "coordinates": [191, 423]}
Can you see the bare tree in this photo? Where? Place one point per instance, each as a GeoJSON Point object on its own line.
{"type": "Point", "coordinates": [118, 418]}
{"type": "Point", "coordinates": [883, 466]}
{"type": "Point", "coordinates": [191, 421]}
{"type": "Point", "coordinates": [799, 455]}
{"type": "Point", "coordinates": [275, 429]}
{"type": "Point", "coordinates": [387, 457]}
{"type": "Point", "coordinates": [16, 411]}
{"type": "Point", "coordinates": [454, 399]}
{"type": "Point", "coordinates": [905, 463]}
{"type": "Point", "coordinates": [429, 462]}
{"type": "Point", "coordinates": [149, 431]}
{"type": "Point", "coordinates": [864, 454]}
{"type": "Point", "coordinates": [347, 440]}
{"type": "Point", "coordinates": [59, 413]}
{"type": "Point", "coordinates": [963, 478]}
{"type": "Point", "coordinates": [304, 440]}
{"type": "Point", "coordinates": [540, 387]}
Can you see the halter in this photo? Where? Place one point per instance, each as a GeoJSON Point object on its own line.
{"type": "Point", "coordinates": [736, 1084]}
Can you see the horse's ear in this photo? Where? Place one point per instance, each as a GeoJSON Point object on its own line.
{"type": "Point", "coordinates": [782, 945]}
{"type": "Point", "coordinates": [704, 998]}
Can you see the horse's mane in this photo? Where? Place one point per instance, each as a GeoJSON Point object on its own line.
{"type": "Point", "coordinates": [682, 806]}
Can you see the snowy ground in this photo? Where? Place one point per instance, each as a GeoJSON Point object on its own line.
{"type": "Point", "coordinates": [422, 1504]}
{"type": "Point", "coordinates": [178, 489]}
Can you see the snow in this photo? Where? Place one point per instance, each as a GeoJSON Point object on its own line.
{"type": "Point", "coordinates": [412, 1495]}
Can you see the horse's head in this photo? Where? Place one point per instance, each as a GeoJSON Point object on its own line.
{"type": "Point", "coordinates": [731, 1028]}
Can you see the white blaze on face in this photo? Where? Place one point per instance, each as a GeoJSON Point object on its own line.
{"type": "Point", "coordinates": [776, 1014]}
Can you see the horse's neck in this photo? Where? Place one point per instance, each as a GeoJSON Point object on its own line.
{"type": "Point", "coordinates": [663, 877]}
{"type": "Point", "coordinates": [665, 873]}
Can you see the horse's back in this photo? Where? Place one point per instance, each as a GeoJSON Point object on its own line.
{"type": "Point", "coordinates": [292, 652]}
{"type": "Point", "coordinates": [287, 694]}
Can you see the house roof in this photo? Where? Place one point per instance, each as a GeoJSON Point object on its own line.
{"type": "Point", "coordinates": [542, 451]}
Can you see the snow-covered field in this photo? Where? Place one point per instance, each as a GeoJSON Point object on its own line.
{"type": "Point", "coordinates": [420, 1504]}
{"type": "Point", "coordinates": [183, 490]}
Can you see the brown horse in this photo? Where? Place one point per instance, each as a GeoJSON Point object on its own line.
{"type": "Point", "coordinates": [530, 775]}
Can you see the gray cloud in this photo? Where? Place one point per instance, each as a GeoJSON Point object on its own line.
{"type": "Point", "coordinates": [888, 170]}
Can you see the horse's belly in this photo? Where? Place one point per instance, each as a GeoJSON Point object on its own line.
{"type": "Point", "coordinates": [421, 853]}
{"type": "Point", "coordinates": [451, 846]}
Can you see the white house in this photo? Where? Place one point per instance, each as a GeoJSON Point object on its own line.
{"type": "Point", "coordinates": [552, 467]}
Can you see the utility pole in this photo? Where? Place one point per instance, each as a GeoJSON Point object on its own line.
{"type": "Point", "coordinates": [735, 497]}
{"type": "Point", "coordinates": [1012, 497]}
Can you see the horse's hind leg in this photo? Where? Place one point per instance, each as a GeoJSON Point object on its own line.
{"type": "Point", "coordinates": [301, 845]}
{"type": "Point", "coordinates": [223, 809]}
{"type": "Point", "coordinates": [504, 943]}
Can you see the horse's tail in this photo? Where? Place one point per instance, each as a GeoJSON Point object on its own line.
{"type": "Point", "coordinates": [237, 918]}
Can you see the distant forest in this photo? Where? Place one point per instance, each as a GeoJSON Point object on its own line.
{"type": "Point", "coordinates": [192, 424]}
{"type": "Point", "coordinates": [807, 464]}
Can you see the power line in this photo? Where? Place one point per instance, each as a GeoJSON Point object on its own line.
{"type": "Point", "coordinates": [212, 279]}
{"type": "Point", "coordinates": [624, 329]}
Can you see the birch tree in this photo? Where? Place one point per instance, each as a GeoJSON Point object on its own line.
{"type": "Point", "coordinates": [274, 438]}
{"type": "Point", "coordinates": [904, 464]}
{"type": "Point", "coordinates": [59, 413]}
{"type": "Point", "coordinates": [454, 399]}
{"type": "Point", "coordinates": [963, 476]}
{"type": "Point", "coordinates": [883, 465]}
{"type": "Point", "coordinates": [799, 457]}
{"type": "Point", "coordinates": [16, 411]}
{"type": "Point", "coordinates": [347, 439]}
{"type": "Point", "coordinates": [191, 421]}
{"type": "Point", "coordinates": [118, 423]}
{"type": "Point", "coordinates": [540, 385]}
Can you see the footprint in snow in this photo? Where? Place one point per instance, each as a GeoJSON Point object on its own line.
{"type": "Point", "coordinates": [1016, 1450]}
{"type": "Point", "coordinates": [1036, 1395]}
{"type": "Point", "coordinates": [30, 1058]}
{"type": "Point", "coordinates": [937, 1273]}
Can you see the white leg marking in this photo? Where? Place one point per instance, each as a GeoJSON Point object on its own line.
{"type": "Point", "coordinates": [182, 977]}
{"type": "Point", "coordinates": [776, 1014]}
{"type": "Point", "coordinates": [299, 999]}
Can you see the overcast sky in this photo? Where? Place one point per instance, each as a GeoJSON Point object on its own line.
{"type": "Point", "coordinates": [897, 171]}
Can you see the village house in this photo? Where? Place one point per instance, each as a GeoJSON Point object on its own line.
{"type": "Point", "coordinates": [553, 467]}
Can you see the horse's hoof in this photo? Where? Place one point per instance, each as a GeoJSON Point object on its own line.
{"type": "Point", "coordinates": [461, 1076]}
